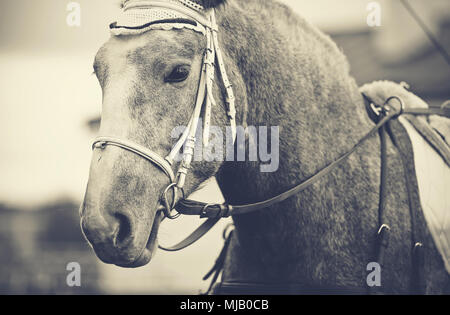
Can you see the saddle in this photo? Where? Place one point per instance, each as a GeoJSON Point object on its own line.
{"type": "Point", "coordinates": [429, 153]}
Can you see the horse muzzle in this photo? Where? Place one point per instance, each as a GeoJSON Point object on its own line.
{"type": "Point", "coordinates": [120, 240]}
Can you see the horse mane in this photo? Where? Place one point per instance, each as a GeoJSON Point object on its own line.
{"type": "Point", "coordinates": [312, 77]}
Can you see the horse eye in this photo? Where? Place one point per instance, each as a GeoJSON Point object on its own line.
{"type": "Point", "coordinates": [178, 74]}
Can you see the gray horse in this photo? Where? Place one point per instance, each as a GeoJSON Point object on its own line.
{"type": "Point", "coordinates": [285, 73]}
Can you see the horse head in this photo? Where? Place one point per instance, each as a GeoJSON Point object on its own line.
{"type": "Point", "coordinates": [150, 83]}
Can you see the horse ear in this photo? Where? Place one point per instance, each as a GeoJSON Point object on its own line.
{"type": "Point", "coordinates": [122, 3]}
{"type": "Point", "coordinates": [212, 3]}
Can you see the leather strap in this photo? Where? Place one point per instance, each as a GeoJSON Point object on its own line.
{"type": "Point", "coordinates": [418, 284]}
{"type": "Point", "coordinates": [220, 261]}
{"type": "Point", "coordinates": [138, 149]}
{"type": "Point", "coordinates": [193, 237]}
{"type": "Point", "coordinates": [189, 207]}
{"type": "Point", "coordinates": [441, 111]}
{"type": "Point", "coordinates": [382, 237]}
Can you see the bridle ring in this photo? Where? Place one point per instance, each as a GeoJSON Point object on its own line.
{"type": "Point", "coordinates": [169, 207]}
{"type": "Point", "coordinates": [402, 104]}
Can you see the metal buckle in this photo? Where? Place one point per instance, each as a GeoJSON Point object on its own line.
{"type": "Point", "coordinates": [377, 110]}
{"type": "Point", "coordinates": [100, 145]}
{"type": "Point", "coordinates": [405, 85]}
{"type": "Point", "coordinates": [169, 207]}
{"type": "Point", "coordinates": [203, 213]}
{"type": "Point", "coordinates": [383, 227]}
{"type": "Point", "coordinates": [387, 107]}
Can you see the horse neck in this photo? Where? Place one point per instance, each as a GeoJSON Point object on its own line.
{"type": "Point", "coordinates": [296, 78]}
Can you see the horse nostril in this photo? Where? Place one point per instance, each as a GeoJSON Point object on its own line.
{"type": "Point", "coordinates": [124, 229]}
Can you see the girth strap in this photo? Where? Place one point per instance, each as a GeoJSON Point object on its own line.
{"type": "Point", "coordinates": [417, 275]}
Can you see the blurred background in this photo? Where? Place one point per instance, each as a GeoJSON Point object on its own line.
{"type": "Point", "coordinates": [49, 108]}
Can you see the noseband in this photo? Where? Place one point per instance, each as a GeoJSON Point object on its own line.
{"type": "Point", "coordinates": [206, 23]}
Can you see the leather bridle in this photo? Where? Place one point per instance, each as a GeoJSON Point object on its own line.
{"type": "Point", "coordinates": [177, 205]}
{"type": "Point", "coordinates": [204, 102]}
